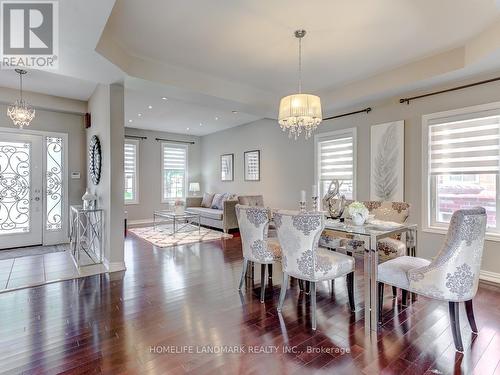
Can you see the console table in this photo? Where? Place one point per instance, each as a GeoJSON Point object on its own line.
{"type": "Point", "coordinates": [86, 235]}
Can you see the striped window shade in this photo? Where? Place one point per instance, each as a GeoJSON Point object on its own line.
{"type": "Point", "coordinates": [130, 170]}
{"type": "Point", "coordinates": [465, 146]}
{"type": "Point", "coordinates": [336, 158]}
{"type": "Point", "coordinates": [174, 170]}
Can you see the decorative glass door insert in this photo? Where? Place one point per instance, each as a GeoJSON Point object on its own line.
{"type": "Point", "coordinates": [20, 190]}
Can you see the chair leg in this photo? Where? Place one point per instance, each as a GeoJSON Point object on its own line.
{"type": "Point", "coordinates": [284, 287]}
{"type": "Point", "coordinates": [243, 272]}
{"type": "Point", "coordinates": [270, 271]}
{"type": "Point", "coordinates": [404, 297]}
{"type": "Point", "coordinates": [455, 325]}
{"type": "Point", "coordinates": [313, 303]}
{"type": "Point", "coordinates": [350, 290]}
{"type": "Point", "coordinates": [263, 269]}
{"type": "Point", "coordinates": [308, 287]}
{"type": "Point", "coordinates": [301, 285]}
{"type": "Point", "coordinates": [394, 292]}
{"type": "Point", "coordinates": [380, 301]}
{"type": "Point", "coordinates": [470, 316]}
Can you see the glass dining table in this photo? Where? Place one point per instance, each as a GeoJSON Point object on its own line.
{"type": "Point", "coordinates": [370, 234]}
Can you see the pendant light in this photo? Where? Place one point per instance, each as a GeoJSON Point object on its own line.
{"type": "Point", "coordinates": [21, 112]}
{"type": "Point", "coordinates": [300, 112]}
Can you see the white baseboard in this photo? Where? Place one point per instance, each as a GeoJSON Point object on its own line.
{"type": "Point", "coordinates": [139, 223]}
{"type": "Point", "coordinates": [114, 266]}
{"type": "Point", "coordinates": [492, 277]}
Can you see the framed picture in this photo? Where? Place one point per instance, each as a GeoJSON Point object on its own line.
{"type": "Point", "coordinates": [227, 167]}
{"type": "Point", "coordinates": [252, 165]}
{"type": "Point", "coordinates": [387, 161]}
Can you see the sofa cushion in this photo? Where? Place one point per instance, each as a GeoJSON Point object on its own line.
{"type": "Point", "coordinates": [251, 200]}
{"type": "Point", "coordinates": [207, 200]}
{"type": "Point", "coordinates": [210, 213]}
{"type": "Point", "coordinates": [218, 201]}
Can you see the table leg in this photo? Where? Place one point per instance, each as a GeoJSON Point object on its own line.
{"type": "Point", "coordinates": [371, 301]}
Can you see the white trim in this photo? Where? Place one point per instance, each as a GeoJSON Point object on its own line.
{"type": "Point", "coordinates": [139, 223]}
{"type": "Point", "coordinates": [137, 162]}
{"type": "Point", "coordinates": [114, 266]}
{"type": "Point", "coordinates": [59, 236]}
{"type": "Point", "coordinates": [426, 222]}
{"type": "Point", "coordinates": [186, 171]}
{"type": "Point", "coordinates": [489, 276]}
{"type": "Point", "coordinates": [334, 134]}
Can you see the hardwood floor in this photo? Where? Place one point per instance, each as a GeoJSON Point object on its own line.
{"type": "Point", "coordinates": [186, 299]}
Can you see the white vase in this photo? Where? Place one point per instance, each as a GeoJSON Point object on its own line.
{"type": "Point", "coordinates": [358, 219]}
{"type": "Point", "coordinates": [88, 200]}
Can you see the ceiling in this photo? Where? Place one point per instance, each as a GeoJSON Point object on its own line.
{"type": "Point", "coordinates": [210, 58]}
{"type": "Point", "coordinates": [251, 42]}
{"type": "Point", "coordinates": [177, 111]}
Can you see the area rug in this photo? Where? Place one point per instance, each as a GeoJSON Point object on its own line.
{"type": "Point", "coordinates": [21, 252]}
{"type": "Point", "coordinates": [162, 237]}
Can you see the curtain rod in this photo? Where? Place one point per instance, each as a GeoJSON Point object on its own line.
{"type": "Point", "coordinates": [407, 100]}
{"type": "Point", "coordinates": [135, 136]}
{"type": "Point", "coordinates": [366, 110]}
{"type": "Point", "coordinates": [175, 141]}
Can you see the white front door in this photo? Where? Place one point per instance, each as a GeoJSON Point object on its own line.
{"type": "Point", "coordinates": [21, 187]}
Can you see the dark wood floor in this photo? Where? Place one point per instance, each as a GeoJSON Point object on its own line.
{"type": "Point", "coordinates": [185, 299]}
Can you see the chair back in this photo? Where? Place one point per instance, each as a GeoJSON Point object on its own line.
{"type": "Point", "coordinates": [298, 234]}
{"type": "Point", "coordinates": [253, 223]}
{"type": "Point", "coordinates": [460, 257]}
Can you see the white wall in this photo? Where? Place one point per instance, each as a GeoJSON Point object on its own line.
{"type": "Point", "coordinates": [59, 122]}
{"type": "Point", "coordinates": [150, 171]}
{"type": "Point", "coordinates": [288, 165]}
{"type": "Point", "coordinates": [106, 106]}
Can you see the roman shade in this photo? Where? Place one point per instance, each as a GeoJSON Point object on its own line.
{"type": "Point", "coordinates": [465, 146]}
{"type": "Point", "coordinates": [336, 158]}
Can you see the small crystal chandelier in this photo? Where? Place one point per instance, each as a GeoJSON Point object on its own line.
{"type": "Point", "coordinates": [300, 112]}
{"type": "Point", "coordinates": [21, 113]}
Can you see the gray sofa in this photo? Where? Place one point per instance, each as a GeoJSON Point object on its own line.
{"type": "Point", "coordinates": [224, 219]}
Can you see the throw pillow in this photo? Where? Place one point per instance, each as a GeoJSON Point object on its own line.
{"type": "Point", "coordinates": [207, 200]}
{"type": "Point", "coordinates": [218, 201]}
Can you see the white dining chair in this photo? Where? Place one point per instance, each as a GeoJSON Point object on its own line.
{"type": "Point", "coordinates": [453, 275]}
{"type": "Point", "coordinates": [257, 247]}
{"type": "Point", "coordinates": [302, 258]}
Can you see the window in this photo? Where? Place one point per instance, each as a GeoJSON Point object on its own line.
{"type": "Point", "coordinates": [54, 183]}
{"type": "Point", "coordinates": [174, 171]}
{"type": "Point", "coordinates": [461, 164]}
{"type": "Point", "coordinates": [336, 159]}
{"type": "Point", "coordinates": [131, 153]}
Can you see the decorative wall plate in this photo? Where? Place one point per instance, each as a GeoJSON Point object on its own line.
{"type": "Point", "coordinates": [95, 159]}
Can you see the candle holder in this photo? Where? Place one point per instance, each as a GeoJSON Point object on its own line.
{"type": "Point", "coordinates": [302, 207]}
{"type": "Point", "coordinates": [315, 203]}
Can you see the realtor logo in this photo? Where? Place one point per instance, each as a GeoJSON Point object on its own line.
{"type": "Point", "coordinates": [29, 34]}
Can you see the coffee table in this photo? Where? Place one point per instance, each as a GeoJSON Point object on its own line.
{"type": "Point", "coordinates": [179, 221]}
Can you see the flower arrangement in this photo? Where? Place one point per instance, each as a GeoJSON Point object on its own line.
{"type": "Point", "coordinates": [358, 212]}
{"type": "Point", "coordinates": [179, 206]}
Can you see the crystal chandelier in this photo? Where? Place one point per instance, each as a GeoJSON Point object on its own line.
{"type": "Point", "coordinates": [21, 113]}
{"type": "Point", "coordinates": [300, 112]}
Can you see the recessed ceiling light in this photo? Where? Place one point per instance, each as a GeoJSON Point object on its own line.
{"type": "Point", "coordinates": [201, 124]}
{"type": "Point", "coordinates": [150, 106]}
{"type": "Point", "coordinates": [139, 114]}
{"type": "Point", "coordinates": [216, 118]}
{"type": "Point", "coordinates": [164, 98]}
{"type": "Point", "coordinates": [129, 120]}
{"type": "Point", "coordinates": [234, 112]}
{"type": "Point", "coordinates": [187, 128]}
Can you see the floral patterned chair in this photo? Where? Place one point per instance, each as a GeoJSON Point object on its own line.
{"type": "Point", "coordinates": [257, 247]}
{"type": "Point", "coordinates": [452, 276]}
{"type": "Point", "coordinates": [388, 248]}
{"type": "Point", "coordinates": [298, 234]}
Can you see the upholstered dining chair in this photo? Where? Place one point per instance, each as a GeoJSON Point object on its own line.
{"type": "Point", "coordinates": [452, 276]}
{"type": "Point", "coordinates": [257, 247]}
{"type": "Point", "coordinates": [302, 258]}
